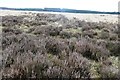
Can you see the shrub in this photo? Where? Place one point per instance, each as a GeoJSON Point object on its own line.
{"type": "Point", "coordinates": [89, 33]}
{"type": "Point", "coordinates": [114, 47]}
{"type": "Point", "coordinates": [47, 30]}
{"type": "Point", "coordinates": [10, 21]}
{"type": "Point", "coordinates": [108, 72]}
{"type": "Point", "coordinates": [53, 46]}
{"type": "Point", "coordinates": [104, 35]}
{"type": "Point", "coordinates": [73, 66]}
{"type": "Point", "coordinates": [113, 36]}
{"type": "Point", "coordinates": [56, 46]}
{"type": "Point", "coordinates": [90, 50]}
{"type": "Point", "coordinates": [8, 40]}
{"type": "Point", "coordinates": [11, 31]}
{"type": "Point", "coordinates": [86, 27]}
{"type": "Point", "coordinates": [64, 34]}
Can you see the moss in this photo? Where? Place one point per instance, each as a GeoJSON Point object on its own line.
{"type": "Point", "coordinates": [94, 69]}
{"type": "Point", "coordinates": [104, 35]}
{"type": "Point", "coordinates": [72, 30]}
{"type": "Point", "coordinates": [24, 28]}
{"type": "Point", "coordinates": [1, 28]}
{"type": "Point", "coordinates": [49, 55]}
{"type": "Point", "coordinates": [110, 67]}
{"type": "Point", "coordinates": [65, 35]}
{"type": "Point", "coordinates": [90, 33]}
{"type": "Point", "coordinates": [97, 31]}
{"type": "Point", "coordinates": [115, 61]}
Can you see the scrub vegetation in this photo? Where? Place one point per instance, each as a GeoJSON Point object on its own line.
{"type": "Point", "coordinates": [52, 46]}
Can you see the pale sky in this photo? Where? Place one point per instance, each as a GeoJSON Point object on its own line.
{"type": "Point", "coordinates": [97, 5]}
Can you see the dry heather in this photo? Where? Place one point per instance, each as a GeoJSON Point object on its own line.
{"type": "Point", "coordinates": [53, 46]}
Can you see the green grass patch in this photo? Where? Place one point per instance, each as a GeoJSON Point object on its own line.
{"type": "Point", "coordinates": [72, 30]}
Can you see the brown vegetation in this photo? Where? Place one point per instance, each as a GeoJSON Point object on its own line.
{"type": "Point", "coordinates": [52, 46]}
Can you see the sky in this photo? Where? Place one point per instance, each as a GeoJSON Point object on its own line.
{"type": "Point", "coordinates": [96, 5]}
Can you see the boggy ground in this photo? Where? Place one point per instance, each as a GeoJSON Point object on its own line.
{"type": "Point", "coordinates": [53, 46]}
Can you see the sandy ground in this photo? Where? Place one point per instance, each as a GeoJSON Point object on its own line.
{"type": "Point", "coordinates": [87, 17]}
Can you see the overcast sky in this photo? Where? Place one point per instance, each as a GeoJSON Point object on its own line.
{"type": "Point", "coordinates": [97, 5]}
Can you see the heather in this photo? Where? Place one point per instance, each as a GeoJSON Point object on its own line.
{"type": "Point", "coordinates": [52, 46]}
